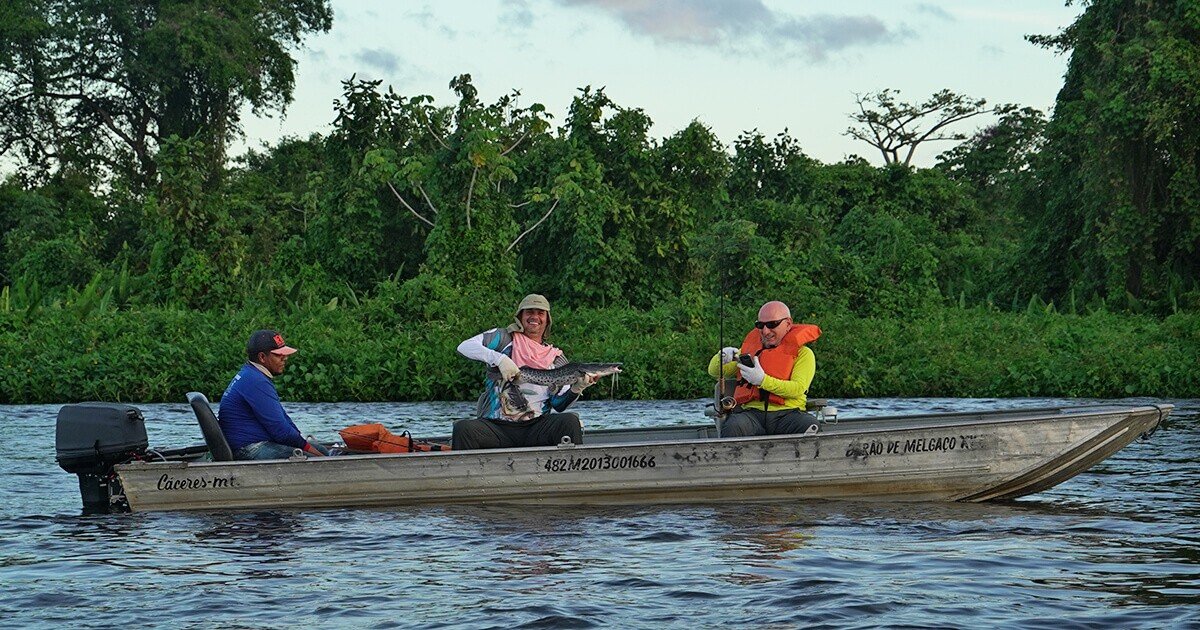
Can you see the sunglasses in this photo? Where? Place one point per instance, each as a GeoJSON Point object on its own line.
{"type": "Point", "coordinates": [771, 324]}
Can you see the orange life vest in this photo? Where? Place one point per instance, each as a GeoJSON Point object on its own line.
{"type": "Point", "coordinates": [777, 361]}
{"type": "Point", "coordinates": [375, 438]}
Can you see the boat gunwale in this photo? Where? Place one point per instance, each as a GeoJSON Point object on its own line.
{"type": "Point", "coordinates": [841, 429]}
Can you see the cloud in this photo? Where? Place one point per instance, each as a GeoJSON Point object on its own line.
{"type": "Point", "coordinates": [517, 14]}
{"type": "Point", "coordinates": [823, 34]}
{"type": "Point", "coordinates": [379, 59]}
{"type": "Point", "coordinates": [422, 16]}
{"type": "Point", "coordinates": [936, 11]}
{"type": "Point", "coordinates": [682, 21]}
{"type": "Point", "coordinates": [428, 20]}
{"type": "Point", "coordinates": [735, 23]}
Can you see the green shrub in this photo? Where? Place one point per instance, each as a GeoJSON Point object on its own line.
{"type": "Point", "coordinates": [403, 349]}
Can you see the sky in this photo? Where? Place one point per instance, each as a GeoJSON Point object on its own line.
{"type": "Point", "coordinates": [734, 65]}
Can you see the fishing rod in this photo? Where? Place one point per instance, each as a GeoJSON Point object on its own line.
{"type": "Point", "coordinates": [722, 404]}
{"type": "Point", "coordinates": [721, 325]}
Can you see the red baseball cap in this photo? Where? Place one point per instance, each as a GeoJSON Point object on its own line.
{"type": "Point", "coordinates": [267, 341]}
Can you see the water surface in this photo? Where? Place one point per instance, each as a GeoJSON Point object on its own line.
{"type": "Point", "coordinates": [1118, 546]}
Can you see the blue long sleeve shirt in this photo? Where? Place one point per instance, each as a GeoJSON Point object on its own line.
{"type": "Point", "coordinates": [251, 412]}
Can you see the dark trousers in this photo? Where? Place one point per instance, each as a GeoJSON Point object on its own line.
{"type": "Point", "coordinates": [748, 422]}
{"type": "Point", "coordinates": [547, 430]}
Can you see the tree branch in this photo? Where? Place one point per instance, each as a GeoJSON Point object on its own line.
{"type": "Point", "coordinates": [873, 126]}
{"type": "Point", "coordinates": [514, 145]}
{"type": "Point", "coordinates": [109, 121]}
{"type": "Point", "coordinates": [470, 192]}
{"type": "Point", "coordinates": [431, 206]}
{"type": "Point", "coordinates": [544, 216]}
{"type": "Point", "coordinates": [303, 218]}
{"type": "Point", "coordinates": [437, 137]}
{"type": "Point", "coordinates": [892, 127]}
{"type": "Point", "coordinates": [429, 127]}
{"type": "Point", "coordinates": [927, 136]}
{"type": "Point", "coordinates": [410, 208]}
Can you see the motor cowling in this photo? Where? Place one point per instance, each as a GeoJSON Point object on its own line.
{"type": "Point", "coordinates": [92, 437]}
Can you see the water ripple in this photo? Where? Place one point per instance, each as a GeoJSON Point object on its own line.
{"type": "Point", "coordinates": [1118, 546]}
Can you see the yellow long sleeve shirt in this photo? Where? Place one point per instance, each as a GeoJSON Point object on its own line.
{"type": "Point", "coordinates": [794, 390]}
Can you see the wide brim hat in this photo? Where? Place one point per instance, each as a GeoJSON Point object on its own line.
{"type": "Point", "coordinates": [533, 300]}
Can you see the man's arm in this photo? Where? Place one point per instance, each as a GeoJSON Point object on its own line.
{"type": "Point", "coordinates": [269, 411]}
{"type": "Point", "coordinates": [563, 398]}
{"type": "Point", "coordinates": [729, 370]}
{"type": "Point", "coordinates": [485, 347]}
{"type": "Point", "coordinates": [802, 375]}
{"type": "Point", "coordinates": [476, 349]}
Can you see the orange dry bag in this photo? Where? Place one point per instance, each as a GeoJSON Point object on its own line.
{"type": "Point", "coordinates": [375, 438]}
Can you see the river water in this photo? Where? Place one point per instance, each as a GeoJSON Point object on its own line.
{"type": "Point", "coordinates": [1118, 546]}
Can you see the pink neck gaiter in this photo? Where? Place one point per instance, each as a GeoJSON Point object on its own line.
{"type": "Point", "coordinates": [529, 353]}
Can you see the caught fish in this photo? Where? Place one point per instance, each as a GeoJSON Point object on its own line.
{"type": "Point", "coordinates": [515, 405]}
{"type": "Point", "coordinates": [555, 378]}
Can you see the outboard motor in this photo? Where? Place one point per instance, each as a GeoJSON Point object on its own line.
{"type": "Point", "coordinates": [91, 438]}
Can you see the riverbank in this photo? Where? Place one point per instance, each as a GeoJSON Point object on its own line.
{"type": "Point", "coordinates": [373, 354]}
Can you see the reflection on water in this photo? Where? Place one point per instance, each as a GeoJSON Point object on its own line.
{"type": "Point", "coordinates": [1118, 546]}
{"type": "Point", "coordinates": [263, 535]}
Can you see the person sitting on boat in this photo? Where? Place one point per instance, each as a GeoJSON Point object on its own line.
{"type": "Point", "coordinates": [772, 390]}
{"type": "Point", "coordinates": [505, 351]}
{"type": "Point", "coordinates": [250, 415]}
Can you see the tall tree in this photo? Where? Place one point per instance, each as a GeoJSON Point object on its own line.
{"type": "Point", "coordinates": [101, 83]}
{"type": "Point", "coordinates": [1118, 210]}
{"type": "Point", "coordinates": [896, 128]}
{"type": "Point", "coordinates": [998, 153]}
{"type": "Point", "coordinates": [455, 174]}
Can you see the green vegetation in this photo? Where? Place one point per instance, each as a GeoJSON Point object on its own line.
{"type": "Point", "coordinates": [376, 352]}
{"type": "Point", "coordinates": [1041, 256]}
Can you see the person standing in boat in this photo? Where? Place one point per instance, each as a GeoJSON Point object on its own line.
{"type": "Point", "coordinates": [505, 351]}
{"type": "Point", "coordinates": [772, 390]}
{"type": "Point", "coordinates": [250, 415]}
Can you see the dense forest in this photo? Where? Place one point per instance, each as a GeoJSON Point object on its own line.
{"type": "Point", "coordinates": [1048, 253]}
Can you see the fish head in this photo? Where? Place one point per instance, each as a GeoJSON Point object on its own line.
{"type": "Point", "coordinates": [600, 370]}
{"type": "Point", "coordinates": [513, 403]}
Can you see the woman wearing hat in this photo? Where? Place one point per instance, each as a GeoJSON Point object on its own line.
{"type": "Point", "coordinates": [505, 351]}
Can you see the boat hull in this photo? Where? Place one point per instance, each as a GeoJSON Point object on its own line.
{"type": "Point", "coordinates": [944, 457]}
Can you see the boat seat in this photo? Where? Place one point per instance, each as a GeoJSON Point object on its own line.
{"type": "Point", "coordinates": [213, 436]}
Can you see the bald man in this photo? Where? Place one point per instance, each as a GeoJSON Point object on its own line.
{"type": "Point", "coordinates": [772, 391]}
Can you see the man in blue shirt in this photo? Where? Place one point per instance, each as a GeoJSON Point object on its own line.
{"type": "Point", "coordinates": [250, 415]}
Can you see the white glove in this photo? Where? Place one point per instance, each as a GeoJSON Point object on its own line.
{"type": "Point", "coordinates": [753, 375]}
{"type": "Point", "coordinates": [728, 354]}
{"type": "Point", "coordinates": [508, 368]}
{"type": "Point", "coordinates": [582, 383]}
